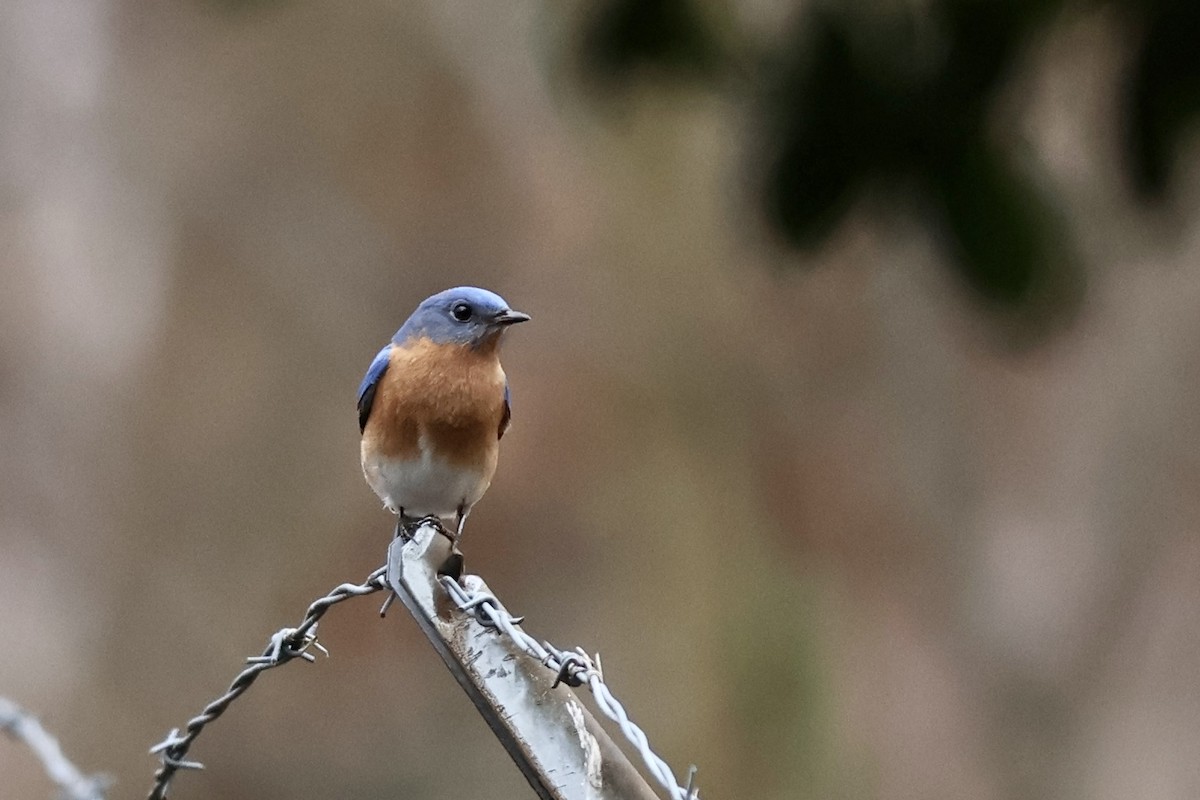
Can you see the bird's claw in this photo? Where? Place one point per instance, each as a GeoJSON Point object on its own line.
{"type": "Point", "coordinates": [409, 527]}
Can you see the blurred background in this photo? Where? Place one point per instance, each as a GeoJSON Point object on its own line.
{"type": "Point", "coordinates": [856, 426]}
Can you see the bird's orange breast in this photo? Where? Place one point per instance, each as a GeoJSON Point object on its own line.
{"type": "Point", "coordinates": [444, 398]}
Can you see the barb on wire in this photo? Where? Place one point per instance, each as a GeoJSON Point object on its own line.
{"type": "Point", "coordinates": [73, 784]}
{"type": "Point", "coordinates": [574, 668]}
{"type": "Point", "coordinates": [283, 646]}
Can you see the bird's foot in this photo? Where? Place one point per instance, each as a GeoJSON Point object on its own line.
{"type": "Point", "coordinates": [407, 527]}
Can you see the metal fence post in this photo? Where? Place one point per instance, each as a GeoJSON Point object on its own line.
{"type": "Point", "coordinates": [557, 744]}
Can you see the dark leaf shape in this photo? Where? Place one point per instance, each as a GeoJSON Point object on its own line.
{"type": "Point", "coordinates": [817, 121]}
{"type": "Point", "coordinates": [623, 37]}
{"type": "Point", "coordinates": [1163, 94]}
{"type": "Point", "coordinates": [999, 226]}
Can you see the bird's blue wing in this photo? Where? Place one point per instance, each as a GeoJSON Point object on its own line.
{"type": "Point", "coordinates": [370, 382]}
{"type": "Point", "coordinates": [506, 417]}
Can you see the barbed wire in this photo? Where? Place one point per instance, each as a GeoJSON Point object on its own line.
{"type": "Point", "coordinates": [283, 646]}
{"type": "Point", "coordinates": [73, 784]}
{"type": "Point", "coordinates": [574, 668]}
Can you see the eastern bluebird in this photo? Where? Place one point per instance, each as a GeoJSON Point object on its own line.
{"type": "Point", "coordinates": [434, 404]}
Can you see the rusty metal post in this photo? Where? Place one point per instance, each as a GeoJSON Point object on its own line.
{"type": "Point", "coordinates": [557, 744]}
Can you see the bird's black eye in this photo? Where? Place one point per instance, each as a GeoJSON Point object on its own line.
{"type": "Point", "coordinates": [461, 312]}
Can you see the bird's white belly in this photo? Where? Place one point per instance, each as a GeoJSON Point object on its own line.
{"type": "Point", "coordinates": [423, 486]}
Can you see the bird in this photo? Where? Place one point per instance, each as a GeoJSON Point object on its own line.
{"type": "Point", "coordinates": [433, 407]}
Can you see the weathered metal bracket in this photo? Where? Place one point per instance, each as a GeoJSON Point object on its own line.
{"type": "Point", "coordinates": [555, 741]}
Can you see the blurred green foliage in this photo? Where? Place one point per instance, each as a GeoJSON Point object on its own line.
{"type": "Point", "coordinates": [896, 95]}
{"type": "Point", "coordinates": [670, 35]}
{"type": "Point", "coordinates": [1163, 93]}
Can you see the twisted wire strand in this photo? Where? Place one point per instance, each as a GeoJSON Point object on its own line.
{"type": "Point", "coordinates": [72, 784]}
{"type": "Point", "coordinates": [574, 667]}
{"type": "Point", "coordinates": [284, 645]}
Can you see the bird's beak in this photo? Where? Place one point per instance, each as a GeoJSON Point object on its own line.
{"type": "Point", "coordinates": [510, 317]}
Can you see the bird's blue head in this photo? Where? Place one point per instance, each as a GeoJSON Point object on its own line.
{"type": "Point", "coordinates": [464, 315]}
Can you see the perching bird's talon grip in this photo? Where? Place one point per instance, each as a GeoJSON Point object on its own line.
{"type": "Point", "coordinates": [407, 527]}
